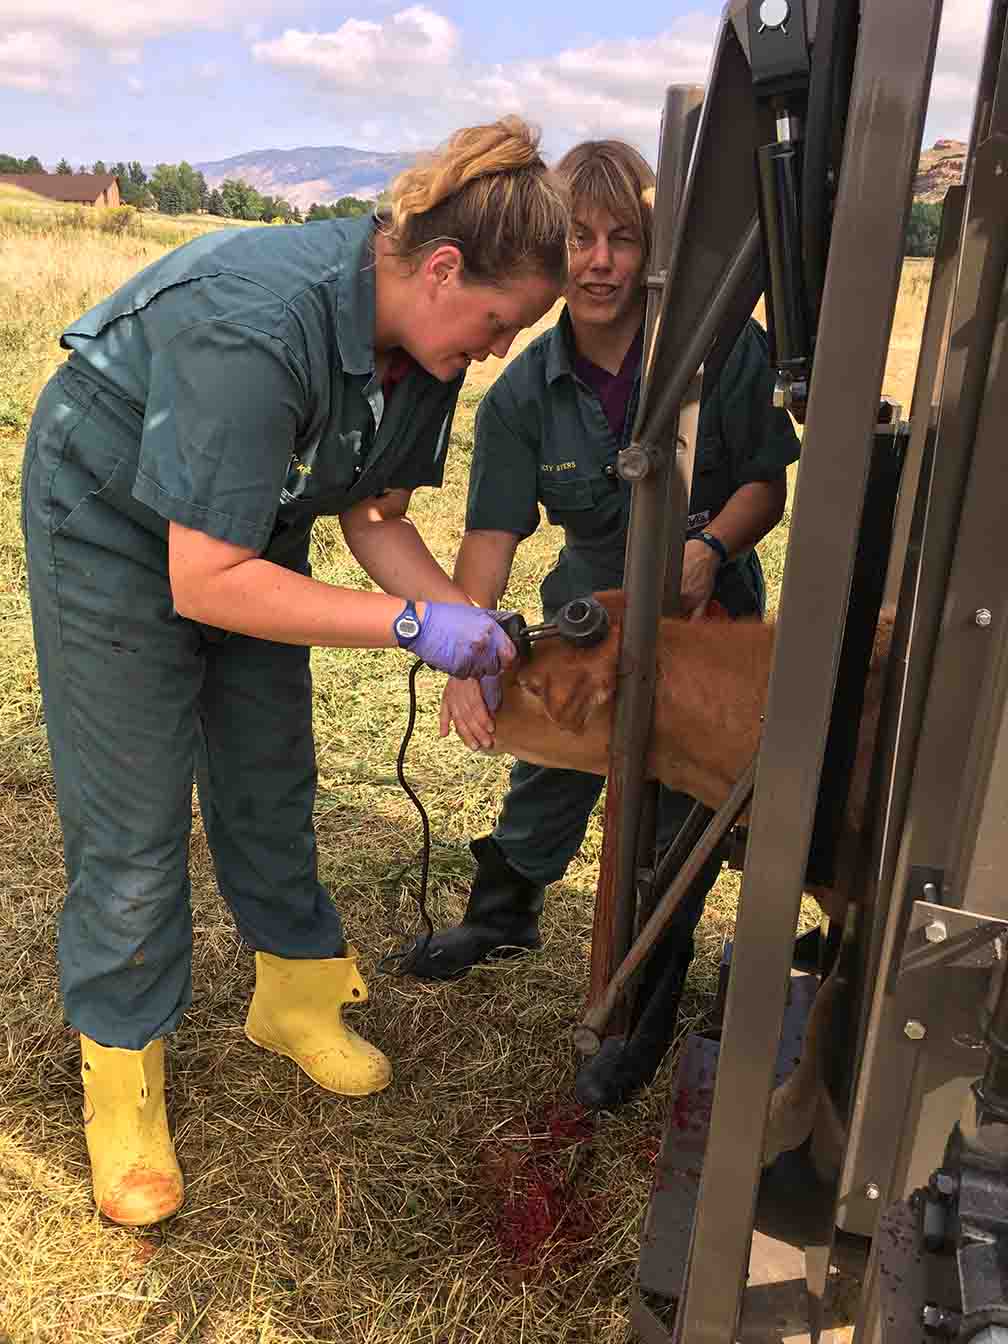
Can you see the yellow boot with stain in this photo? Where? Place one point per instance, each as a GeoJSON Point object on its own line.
{"type": "Point", "coordinates": [296, 1011]}
{"type": "Point", "coordinates": [134, 1171]}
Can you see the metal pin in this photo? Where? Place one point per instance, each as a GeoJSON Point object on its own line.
{"type": "Point", "coordinates": [916, 1031]}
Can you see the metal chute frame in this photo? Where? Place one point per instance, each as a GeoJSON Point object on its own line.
{"type": "Point", "coordinates": [927, 870]}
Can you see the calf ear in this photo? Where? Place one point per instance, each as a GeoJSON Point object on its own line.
{"type": "Point", "coordinates": [570, 687]}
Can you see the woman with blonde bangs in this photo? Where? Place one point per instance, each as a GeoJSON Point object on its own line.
{"type": "Point", "coordinates": [209, 411]}
{"type": "Point", "coordinates": [547, 434]}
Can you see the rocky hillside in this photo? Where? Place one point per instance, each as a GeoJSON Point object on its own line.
{"type": "Point", "coordinates": [940, 167]}
{"type": "Point", "coordinates": [310, 174]}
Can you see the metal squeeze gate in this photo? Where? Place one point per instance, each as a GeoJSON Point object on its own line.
{"type": "Point", "coordinates": [909, 510]}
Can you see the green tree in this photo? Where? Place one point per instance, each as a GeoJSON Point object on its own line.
{"type": "Point", "coordinates": [166, 187]}
{"type": "Point", "coordinates": [922, 229]}
{"type": "Point", "coordinates": [99, 167]}
{"type": "Point", "coordinates": [216, 205]}
{"type": "Point", "coordinates": [275, 207]}
{"type": "Point", "coordinates": [191, 186]}
{"type": "Point", "coordinates": [10, 164]}
{"type": "Point", "coordinates": [137, 176]}
{"type": "Point", "coordinates": [242, 200]}
{"type": "Point", "coordinates": [348, 207]}
{"type": "Point", "coordinates": [63, 167]}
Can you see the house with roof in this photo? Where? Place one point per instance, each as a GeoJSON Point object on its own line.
{"type": "Point", "coordinates": [76, 188]}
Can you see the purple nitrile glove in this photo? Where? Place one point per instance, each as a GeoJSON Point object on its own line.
{"type": "Point", "coordinates": [462, 641]}
{"type": "Point", "coordinates": [490, 687]}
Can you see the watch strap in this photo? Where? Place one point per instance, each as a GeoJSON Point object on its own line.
{"type": "Point", "coordinates": [715, 543]}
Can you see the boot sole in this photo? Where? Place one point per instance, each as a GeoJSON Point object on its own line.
{"type": "Point", "coordinates": [335, 1091]}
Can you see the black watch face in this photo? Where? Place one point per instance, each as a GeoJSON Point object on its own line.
{"type": "Point", "coordinates": [407, 627]}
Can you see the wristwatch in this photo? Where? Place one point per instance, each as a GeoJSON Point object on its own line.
{"type": "Point", "coordinates": [715, 543]}
{"type": "Point", "coordinates": [406, 626]}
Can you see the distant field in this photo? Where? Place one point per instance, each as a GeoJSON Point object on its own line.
{"type": "Point", "coordinates": [464, 1205]}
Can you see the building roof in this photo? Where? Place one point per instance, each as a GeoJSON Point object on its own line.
{"type": "Point", "coordinates": [62, 186]}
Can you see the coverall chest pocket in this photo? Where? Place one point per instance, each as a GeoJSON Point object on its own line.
{"type": "Point", "coordinates": [587, 510]}
{"type": "Point", "coordinates": [322, 473]}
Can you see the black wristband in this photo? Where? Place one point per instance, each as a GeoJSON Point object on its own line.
{"type": "Point", "coordinates": [715, 543]}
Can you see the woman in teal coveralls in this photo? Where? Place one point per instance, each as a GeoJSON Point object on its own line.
{"type": "Point", "coordinates": [547, 434]}
{"type": "Point", "coordinates": [209, 411]}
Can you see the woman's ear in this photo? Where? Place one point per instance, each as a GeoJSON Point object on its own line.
{"type": "Point", "coordinates": [444, 265]}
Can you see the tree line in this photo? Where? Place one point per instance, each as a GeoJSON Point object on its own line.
{"type": "Point", "coordinates": [179, 189]}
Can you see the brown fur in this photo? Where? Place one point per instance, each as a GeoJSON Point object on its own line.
{"type": "Point", "coordinates": [710, 696]}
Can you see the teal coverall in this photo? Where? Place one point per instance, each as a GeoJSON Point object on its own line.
{"type": "Point", "coordinates": [542, 438]}
{"type": "Point", "coordinates": [229, 387]}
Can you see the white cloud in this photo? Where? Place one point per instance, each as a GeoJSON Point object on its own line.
{"type": "Point", "coordinates": [369, 68]}
{"type": "Point", "coordinates": [43, 40]}
{"type": "Point", "coordinates": [417, 54]}
{"type": "Point", "coordinates": [960, 47]}
{"type": "Point", "coordinates": [398, 55]}
{"type": "Point", "coordinates": [34, 61]}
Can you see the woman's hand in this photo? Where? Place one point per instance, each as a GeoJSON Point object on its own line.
{"type": "Point", "coordinates": [699, 575]}
{"type": "Point", "coordinates": [470, 706]}
{"type": "Point", "coordinates": [462, 641]}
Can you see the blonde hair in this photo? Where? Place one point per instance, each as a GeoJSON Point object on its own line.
{"type": "Point", "coordinates": [489, 192]}
{"type": "Point", "coordinates": [611, 175]}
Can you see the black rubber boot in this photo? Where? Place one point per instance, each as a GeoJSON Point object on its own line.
{"type": "Point", "coordinates": [624, 1065]}
{"type": "Point", "coordinates": [501, 920]}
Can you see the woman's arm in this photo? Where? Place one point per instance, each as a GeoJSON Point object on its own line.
{"type": "Point", "coordinates": [388, 547]}
{"type": "Point", "coordinates": [483, 565]}
{"type": "Point", "coordinates": [748, 515]}
{"type": "Point", "coordinates": [231, 587]}
{"type": "Point", "coordinates": [218, 583]}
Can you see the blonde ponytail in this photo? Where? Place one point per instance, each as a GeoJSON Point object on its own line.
{"type": "Point", "coordinates": [489, 191]}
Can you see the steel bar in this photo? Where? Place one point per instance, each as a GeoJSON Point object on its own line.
{"type": "Point", "coordinates": [645, 585]}
{"type": "Point", "coordinates": [589, 1030]}
{"type": "Point", "coordinates": [664, 404]}
{"type": "Point", "coordinates": [659, 505]}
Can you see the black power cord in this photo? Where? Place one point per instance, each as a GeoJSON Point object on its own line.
{"type": "Point", "coordinates": [400, 963]}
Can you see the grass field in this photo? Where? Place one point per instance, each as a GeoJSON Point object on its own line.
{"type": "Point", "coordinates": [413, 1217]}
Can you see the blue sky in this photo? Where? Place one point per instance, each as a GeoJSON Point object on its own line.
{"type": "Point", "coordinates": [206, 79]}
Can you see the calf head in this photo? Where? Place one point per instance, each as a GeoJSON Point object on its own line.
{"type": "Point", "coordinates": [557, 705]}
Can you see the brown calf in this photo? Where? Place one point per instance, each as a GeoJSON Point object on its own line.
{"type": "Point", "coordinates": [710, 694]}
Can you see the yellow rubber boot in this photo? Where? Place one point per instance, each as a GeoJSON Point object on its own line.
{"type": "Point", "coordinates": [134, 1171]}
{"type": "Point", "coordinates": [296, 1011]}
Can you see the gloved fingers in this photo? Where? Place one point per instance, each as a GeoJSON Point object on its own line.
{"type": "Point", "coordinates": [492, 694]}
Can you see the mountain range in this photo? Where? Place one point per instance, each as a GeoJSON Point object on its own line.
{"type": "Point", "coordinates": [310, 173]}
{"type": "Point", "coordinates": [325, 173]}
